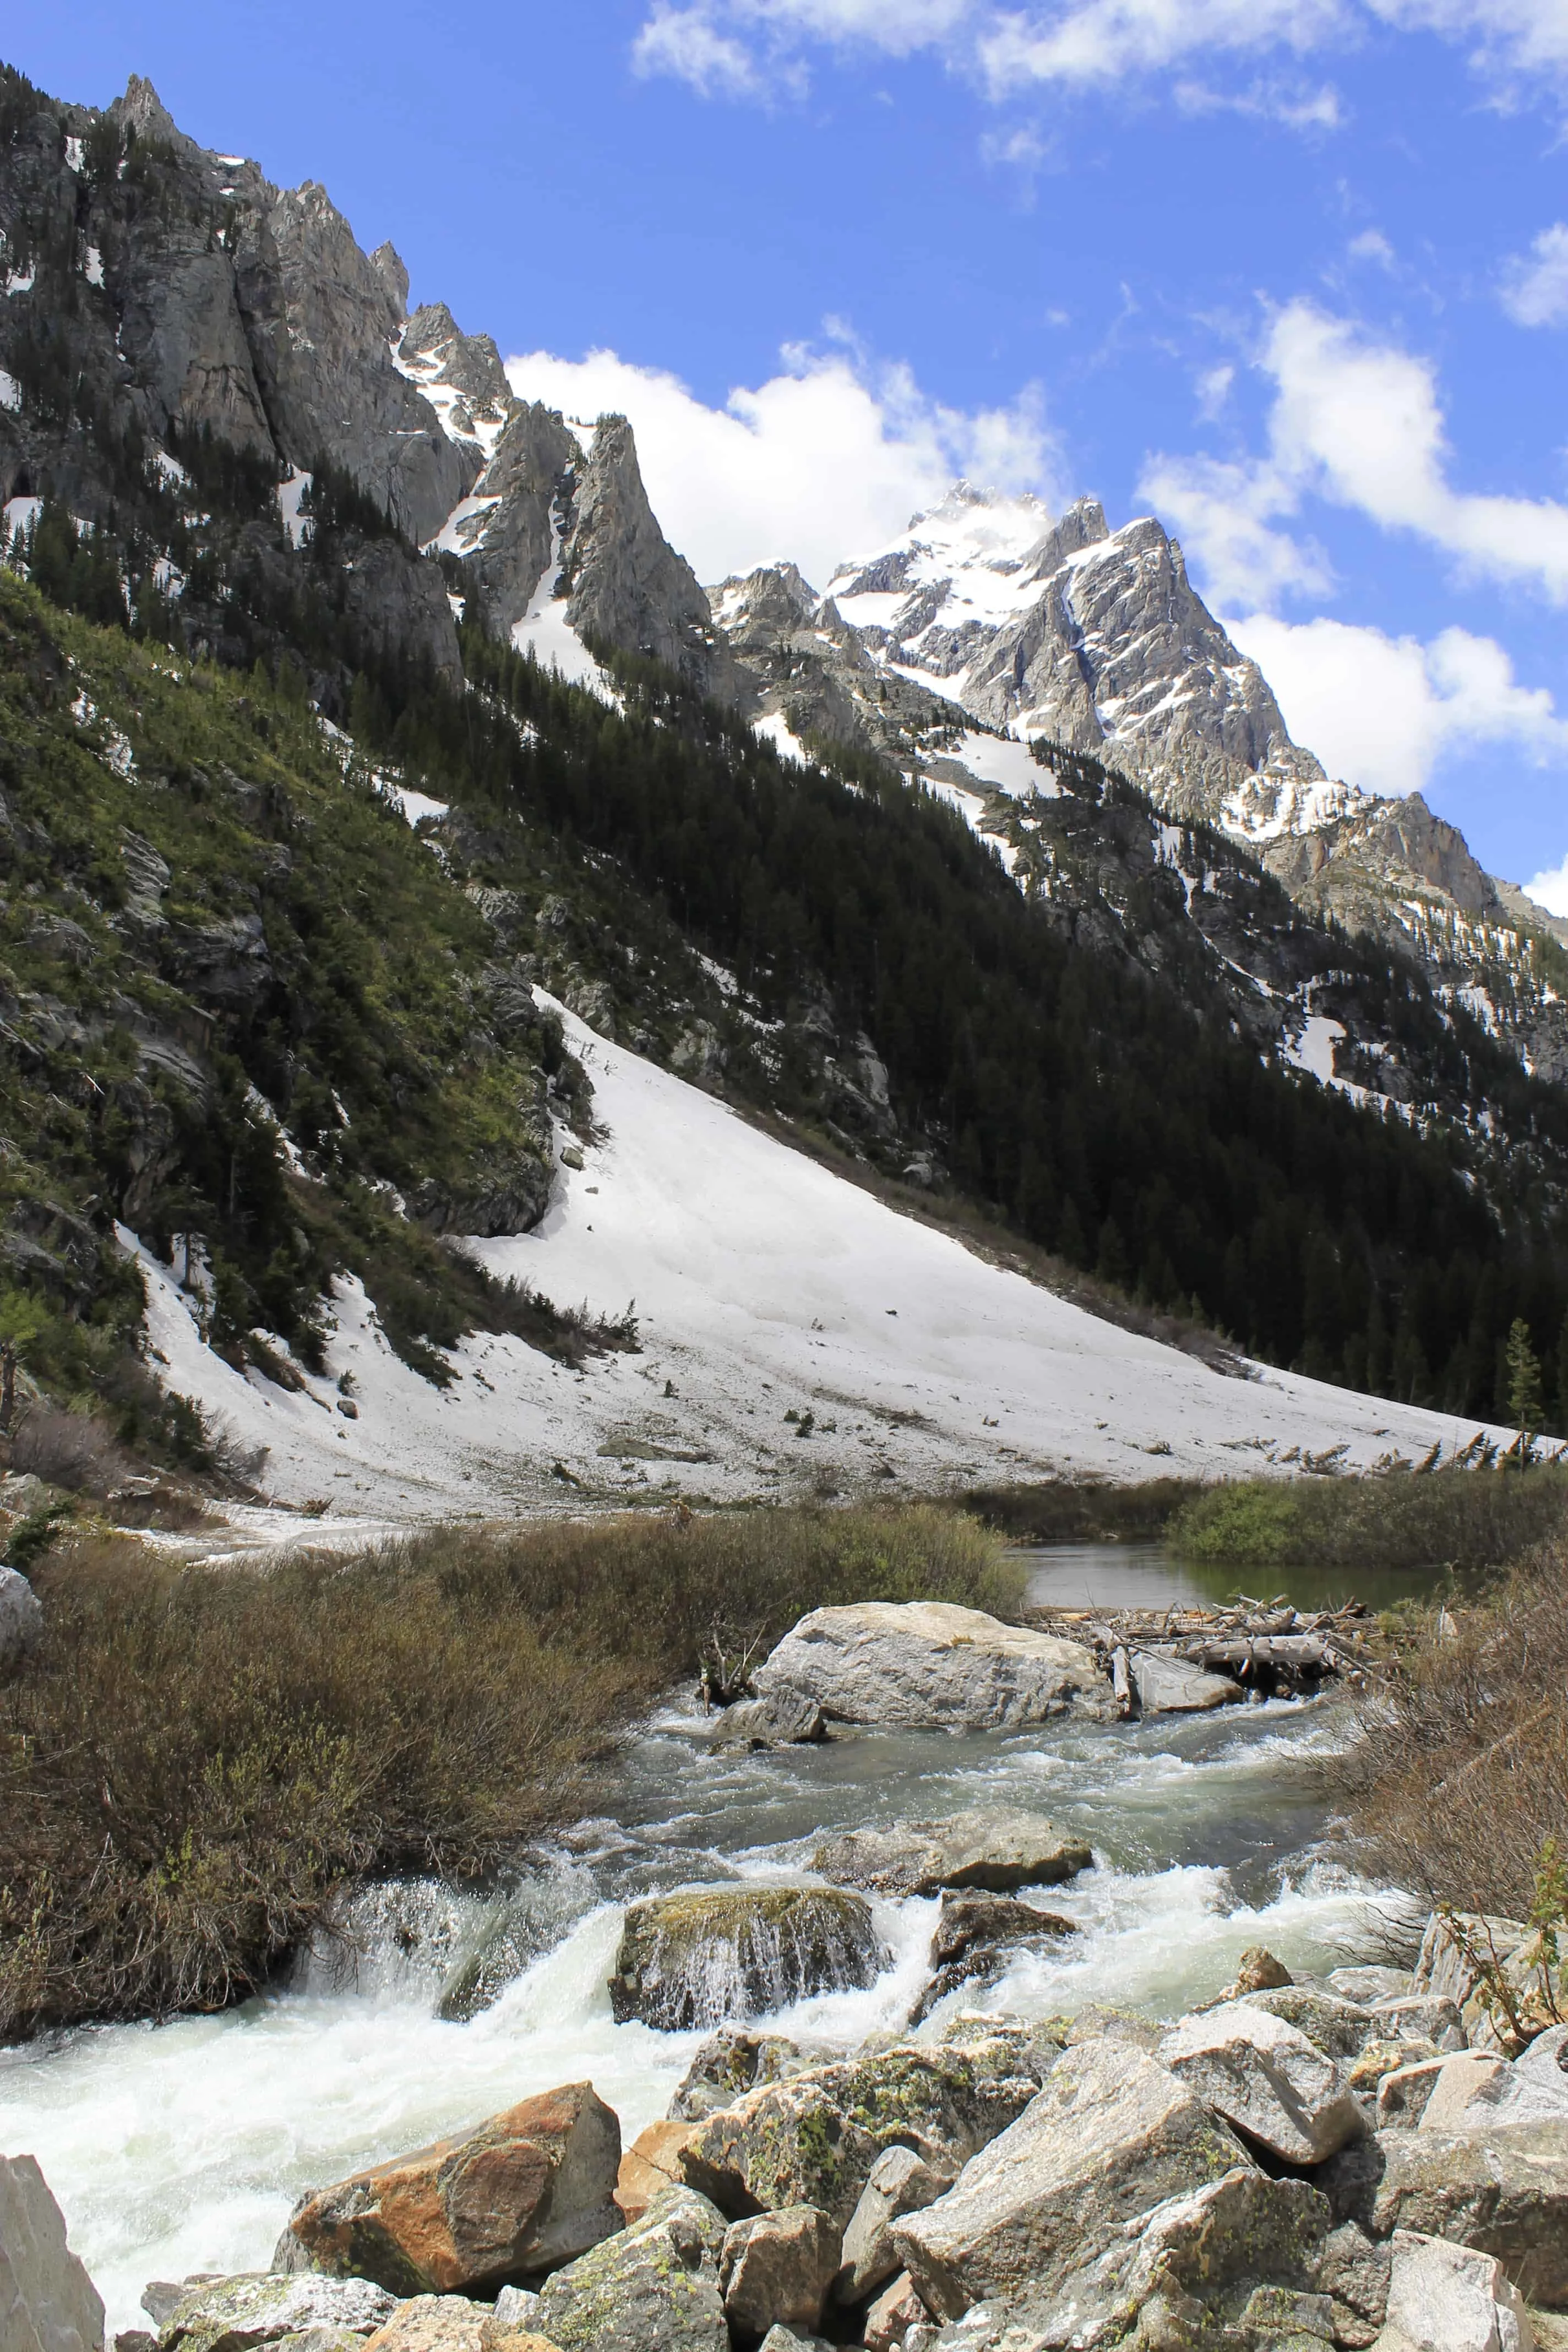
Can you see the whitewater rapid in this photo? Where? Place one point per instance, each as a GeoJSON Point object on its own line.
{"type": "Point", "coordinates": [180, 2148]}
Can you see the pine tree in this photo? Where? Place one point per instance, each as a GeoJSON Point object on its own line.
{"type": "Point", "coordinates": [1524, 1404]}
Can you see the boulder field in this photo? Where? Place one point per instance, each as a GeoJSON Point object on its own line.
{"type": "Point", "coordinates": [1234, 2180]}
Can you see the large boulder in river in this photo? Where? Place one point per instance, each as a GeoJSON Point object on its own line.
{"type": "Point", "coordinates": [654, 2288]}
{"type": "Point", "coordinates": [813, 2140]}
{"type": "Point", "coordinates": [991, 1848]}
{"type": "Point", "coordinates": [930, 1665]}
{"type": "Point", "coordinates": [21, 1619]}
{"type": "Point", "coordinates": [703, 1959]}
{"type": "Point", "coordinates": [47, 2302]}
{"type": "Point", "coordinates": [527, 2190]}
{"type": "Point", "coordinates": [1110, 2135]}
{"type": "Point", "coordinates": [1267, 2080]}
{"type": "Point", "coordinates": [236, 2314]}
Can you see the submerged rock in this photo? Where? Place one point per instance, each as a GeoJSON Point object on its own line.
{"type": "Point", "coordinates": [787, 1719]}
{"type": "Point", "coordinates": [993, 1849]}
{"type": "Point", "coordinates": [654, 2288]}
{"type": "Point", "coordinates": [930, 1665]}
{"type": "Point", "coordinates": [700, 1959]}
{"type": "Point", "coordinates": [976, 1937]}
{"type": "Point", "coordinates": [814, 2139]}
{"type": "Point", "coordinates": [1110, 2135]}
{"type": "Point", "coordinates": [47, 2298]}
{"type": "Point", "coordinates": [531, 2188]}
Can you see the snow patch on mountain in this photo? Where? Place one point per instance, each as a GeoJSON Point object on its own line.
{"type": "Point", "coordinates": [763, 1285]}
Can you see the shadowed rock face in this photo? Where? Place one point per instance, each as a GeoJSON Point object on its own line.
{"type": "Point", "coordinates": [627, 586]}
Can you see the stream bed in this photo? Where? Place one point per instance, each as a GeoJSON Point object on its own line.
{"type": "Point", "coordinates": [180, 2148]}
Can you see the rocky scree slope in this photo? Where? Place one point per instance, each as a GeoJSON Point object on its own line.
{"type": "Point", "coordinates": [220, 427]}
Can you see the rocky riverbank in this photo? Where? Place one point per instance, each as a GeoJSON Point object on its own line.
{"type": "Point", "coordinates": [1375, 2160]}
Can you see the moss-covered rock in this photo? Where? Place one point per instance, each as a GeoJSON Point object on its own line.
{"type": "Point", "coordinates": [703, 1959]}
{"type": "Point", "coordinates": [653, 2288]}
{"type": "Point", "coordinates": [814, 2139]}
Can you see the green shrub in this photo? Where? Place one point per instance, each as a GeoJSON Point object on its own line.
{"type": "Point", "coordinates": [1467, 1520]}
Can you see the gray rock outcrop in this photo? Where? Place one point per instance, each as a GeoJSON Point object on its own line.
{"type": "Point", "coordinates": [655, 2284]}
{"type": "Point", "coordinates": [1110, 2135]}
{"type": "Point", "coordinates": [626, 585]}
{"type": "Point", "coordinates": [21, 1619]}
{"type": "Point", "coordinates": [930, 1665]}
{"type": "Point", "coordinates": [1267, 2080]}
{"type": "Point", "coordinates": [776, 2269]}
{"type": "Point", "coordinates": [47, 2302]}
{"type": "Point", "coordinates": [814, 2139]}
{"type": "Point", "coordinates": [231, 2314]}
{"type": "Point", "coordinates": [1447, 2296]}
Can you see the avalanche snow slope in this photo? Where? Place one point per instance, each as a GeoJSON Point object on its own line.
{"type": "Point", "coordinates": [765, 1287]}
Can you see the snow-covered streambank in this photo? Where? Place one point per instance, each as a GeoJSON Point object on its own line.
{"type": "Point", "coordinates": [766, 1290]}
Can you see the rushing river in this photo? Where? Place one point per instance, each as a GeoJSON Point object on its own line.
{"type": "Point", "coordinates": [180, 2147]}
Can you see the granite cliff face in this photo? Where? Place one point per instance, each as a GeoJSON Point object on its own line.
{"type": "Point", "coordinates": [990, 614]}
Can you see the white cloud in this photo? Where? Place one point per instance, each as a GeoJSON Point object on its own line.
{"type": "Point", "coordinates": [1536, 292]}
{"type": "Point", "coordinates": [686, 43]}
{"type": "Point", "coordinates": [747, 47]}
{"type": "Point", "coordinates": [1297, 110]}
{"type": "Point", "coordinates": [827, 459]}
{"type": "Point", "coordinates": [1551, 889]}
{"type": "Point", "coordinates": [1382, 712]}
{"type": "Point", "coordinates": [1371, 246]}
{"type": "Point", "coordinates": [1357, 423]}
{"type": "Point", "coordinates": [1223, 514]}
{"type": "Point", "coordinates": [1214, 391]}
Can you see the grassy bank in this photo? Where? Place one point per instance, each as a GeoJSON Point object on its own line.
{"type": "Point", "coordinates": [1460, 1778]}
{"type": "Point", "coordinates": [194, 1759]}
{"type": "Point", "coordinates": [1063, 1510]}
{"type": "Point", "coordinates": [1469, 1521]}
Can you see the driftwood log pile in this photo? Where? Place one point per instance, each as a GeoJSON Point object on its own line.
{"type": "Point", "coordinates": [1185, 1660]}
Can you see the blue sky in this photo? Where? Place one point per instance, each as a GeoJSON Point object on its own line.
{"type": "Point", "coordinates": [1292, 273]}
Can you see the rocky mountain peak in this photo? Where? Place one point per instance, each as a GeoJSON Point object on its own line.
{"type": "Point", "coordinates": [391, 268]}
{"type": "Point", "coordinates": [627, 586]}
{"type": "Point", "coordinates": [143, 110]}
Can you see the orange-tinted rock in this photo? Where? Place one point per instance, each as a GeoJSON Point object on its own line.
{"type": "Point", "coordinates": [525, 2192]}
{"type": "Point", "coordinates": [450, 2322]}
{"type": "Point", "coordinates": [650, 2166]}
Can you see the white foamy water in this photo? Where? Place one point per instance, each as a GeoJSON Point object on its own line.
{"type": "Point", "coordinates": [180, 2148]}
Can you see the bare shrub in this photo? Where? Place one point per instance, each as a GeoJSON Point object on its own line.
{"type": "Point", "coordinates": [73, 1450]}
{"type": "Point", "coordinates": [194, 1759]}
{"type": "Point", "coordinates": [1459, 1774]}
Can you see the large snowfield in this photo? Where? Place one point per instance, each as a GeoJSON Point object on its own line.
{"type": "Point", "coordinates": [766, 1288]}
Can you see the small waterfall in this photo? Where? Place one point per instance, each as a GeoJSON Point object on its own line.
{"type": "Point", "coordinates": [458, 1949]}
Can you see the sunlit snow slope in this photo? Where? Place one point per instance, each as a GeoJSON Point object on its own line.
{"type": "Point", "coordinates": [765, 1286]}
